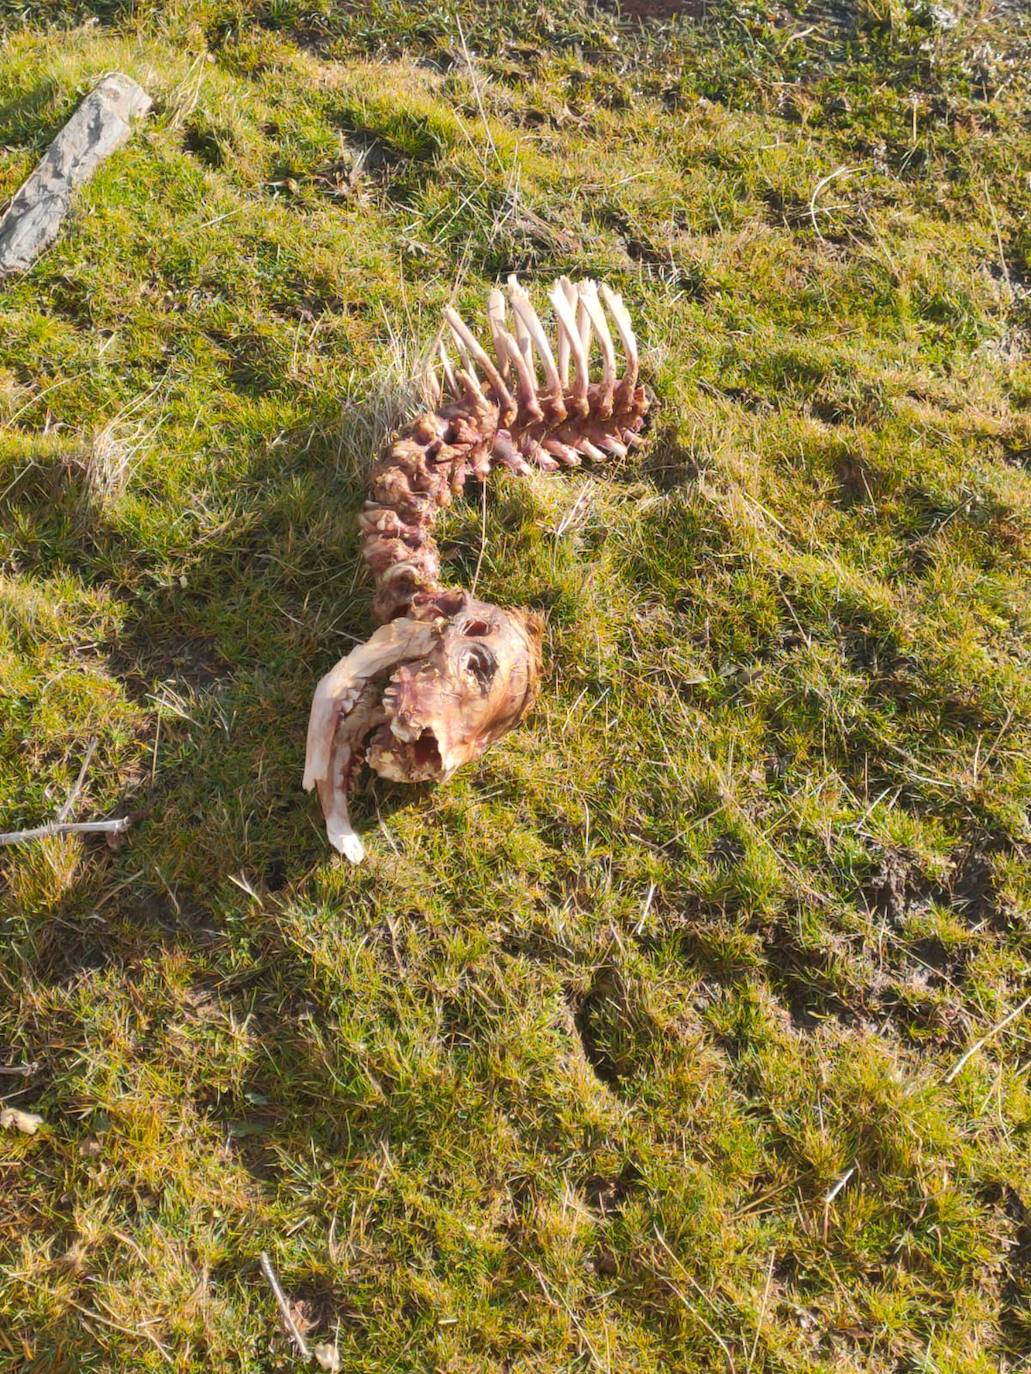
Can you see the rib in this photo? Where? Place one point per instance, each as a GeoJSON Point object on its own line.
{"type": "Point", "coordinates": [526, 383]}
{"type": "Point", "coordinates": [524, 344]}
{"type": "Point", "coordinates": [473, 353]}
{"type": "Point", "coordinates": [474, 394]}
{"type": "Point", "coordinates": [449, 374]}
{"type": "Point", "coordinates": [583, 321]}
{"type": "Point", "coordinates": [589, 296]}
{"type": "Point", "coordinates": [525, 312]}
{"type": "Point", "coordinates": [626, 333]}
{"type": "Point", "coordinates": [570, 341]}
{"type": "Point", "coordinates": [496, 319]}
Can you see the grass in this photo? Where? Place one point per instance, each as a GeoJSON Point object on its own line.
{"type": "Point", "coordinates": [631, 1049]}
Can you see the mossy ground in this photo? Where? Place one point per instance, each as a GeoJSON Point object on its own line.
{"type": "Point", "coordinates": [630, 1049]}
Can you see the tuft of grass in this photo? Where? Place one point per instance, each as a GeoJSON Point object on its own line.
{"type": "Point", "coordinates": [633, 1047]}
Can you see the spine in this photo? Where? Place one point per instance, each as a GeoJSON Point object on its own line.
{"type": "Point", "coordinates": [419, 472]}
{"type": "Point", "coordinates": [493, 410]}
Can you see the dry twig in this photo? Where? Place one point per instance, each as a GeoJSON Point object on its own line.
{"type": "Point", "coordinates": [40, 832]}
{"type": "Point", "coordinates": [293, 1331]}
{"type": "Point", "coordinates": [980, 1044]}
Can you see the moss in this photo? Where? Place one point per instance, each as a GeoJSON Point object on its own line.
{"type": "Point", "coordinates": [631, 1048]}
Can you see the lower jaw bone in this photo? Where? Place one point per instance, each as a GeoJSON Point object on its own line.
{"type": "Point", "coordinates": [346, 706]}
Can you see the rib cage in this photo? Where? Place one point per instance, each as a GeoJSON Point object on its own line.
{"type": "Point", "coordinates": [494, 408]}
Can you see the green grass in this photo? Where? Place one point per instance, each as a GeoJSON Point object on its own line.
{"type": "Point", "coordinates": [563, 1078]}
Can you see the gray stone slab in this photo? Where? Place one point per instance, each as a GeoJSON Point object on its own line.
{"type": "Point", "coordinates": [101, 124]}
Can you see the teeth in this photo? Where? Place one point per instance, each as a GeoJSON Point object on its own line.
{"type": "Point", "coordinates": [406, 731]}
{"type": "Point", "coordinates": [338, 691]}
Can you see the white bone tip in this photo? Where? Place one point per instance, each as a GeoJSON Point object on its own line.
{"type": "Point", "coordinates": [346, 842]}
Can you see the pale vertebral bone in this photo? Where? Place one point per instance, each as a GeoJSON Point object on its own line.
{"type": "Point", "coordinates": [445, 675]}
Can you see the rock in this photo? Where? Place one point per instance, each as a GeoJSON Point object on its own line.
{"type": "Point", "coordinates": [101, 124]}
{"type": "Point", "coordinates": [13, 1119]}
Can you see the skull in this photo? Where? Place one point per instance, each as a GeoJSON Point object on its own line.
{"type": "Point", "coordinates": [444, 709]}
{"type": "Point", "coordinates": [427, 693]}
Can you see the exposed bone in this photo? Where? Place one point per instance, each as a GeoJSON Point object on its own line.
{"type": "Point", "coordinates": [618, 312]}
{"type": "Point", "coordinates": [589, 450]}
{"type": "Point", "coordinates": [525, 346]}
{"type": "Point", "coordinates": [613, 446]}
{"type": "Point", "coordinates": [449, 374]}
{"type": "Point", "coordinates": [342, 720]}
{"type": "Point", "coordinates": [562, 351]}
{"type": "Point", "coordinates": [333, 793]}
{"type": "Point", "coordinates": [337, 692]}
{"type": "Point", "coordinates": [433, 388]}
{"type": "Point", "coordinates": [525, 349]}
{"type": "Point", "coordinates": [564, 452]}
{"type": "Point", "coordinates": [525, 312]}
{"type": "Point", "coordinates": [446, 675]}
{"type": "Point", "coordinates": [399, 570]}
{"type": "Point", "coordinates": [589, 296]}
{"type": "Point", "coordinates": [583, 322]}
{"type": "Point", "coordinates": [469, 384]}
{"type": "Point", "coordinates": [505, 452]}
{"type": "Point", "coordinates": [479, 462]}
{"type": "Point", "coordinates": [496, 317]}
{"type": "Point", "coordinates": [460, 469]}
{"type": "Point", "coordinates": [526, 382]}
{"type": "Point", "coordinates": [538, 454]}
{"type": "Point", "coordinates": [570, 341]}
{"type": "Point", "coordinates": [472, 351]}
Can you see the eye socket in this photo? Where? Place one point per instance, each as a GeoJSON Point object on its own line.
{"type": "Point", "coordinates": [475, 628]}
{"type": "Point", "coordinates": [480, 664]}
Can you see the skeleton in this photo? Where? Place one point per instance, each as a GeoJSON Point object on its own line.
{"type": "Point", "coordinates": [445, 674]}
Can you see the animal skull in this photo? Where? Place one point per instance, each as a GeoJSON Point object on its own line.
{"type": "Point", "coordinates": [426, 694]}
